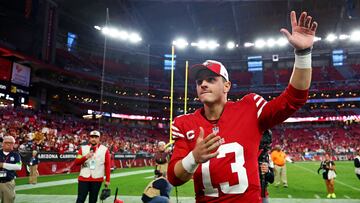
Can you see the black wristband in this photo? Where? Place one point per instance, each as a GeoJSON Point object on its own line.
{"type": "Point", "coordinates": [303, 52]}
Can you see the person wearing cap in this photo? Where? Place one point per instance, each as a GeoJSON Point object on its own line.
{"type": "Point", "coordinates": [161, 158]}
{"type": "Point", "coordinates": [95, 162]}
{"type": "Point", "coordinates": [217, 145]}
{"type": "Point", "coordinates": [33, 163]}
{"type": "Point", "coordinates": [10, 161]}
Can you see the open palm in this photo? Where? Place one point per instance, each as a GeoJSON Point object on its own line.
{"type": "Point", "coordinates": [303, 31]}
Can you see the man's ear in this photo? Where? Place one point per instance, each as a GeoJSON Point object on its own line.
{"type": "Point", "coordinates": [227, 86]}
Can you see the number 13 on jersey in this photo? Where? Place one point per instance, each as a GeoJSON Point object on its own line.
{"type": "Point", "coordinates": [236, 167]}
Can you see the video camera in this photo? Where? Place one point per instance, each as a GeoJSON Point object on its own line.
{"type": "Point", "coordinates": [265, 146]}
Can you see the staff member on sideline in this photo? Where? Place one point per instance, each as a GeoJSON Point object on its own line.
{"type": "Point", "coordinates": [161, 158]}
{"type": "Point", "coordinates": [95, 162]}
{"type": "Point", "coordinates": [357, 164]}
{"type": "Point", "coordinates": [279, 158]}
{"type": "Point", "coordinates": [10, 162]}
{"type": "Point", "coordinates": [34, 173]}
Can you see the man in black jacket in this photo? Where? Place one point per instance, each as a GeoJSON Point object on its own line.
{"type": "Point", "coordinates": [10, 162]}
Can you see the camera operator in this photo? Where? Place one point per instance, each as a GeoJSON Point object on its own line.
{"type": "Point", "coordinates": [266, 166]}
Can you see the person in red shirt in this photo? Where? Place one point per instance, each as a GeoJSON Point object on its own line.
{"type": "Point", "coordinates": [95, 162]}
{"type": "Point", "coordinates": [218, 144]}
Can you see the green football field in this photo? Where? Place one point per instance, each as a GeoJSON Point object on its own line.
{"type": "Point", "coordinates": [303, 181]}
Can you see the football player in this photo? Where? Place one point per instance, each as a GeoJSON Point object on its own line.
{"type": "Point", "coordinates": [218, 144]}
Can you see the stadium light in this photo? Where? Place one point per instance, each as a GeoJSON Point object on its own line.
{"type": "Point", "coordinates": [355, 36]}
{"type": "Point", "coordinates": [203, 44]}
{"type": "Point", "coordinates": [180, 43]}
{"type": "Point", "coordinates": [331, 37]}
{"type": "Point", "coordinates": [120, 34]}
{"type": "Point", "coordinates": [112, 32]}
{"type": "Point", "coordinates": [282, 41]}
{"type": "Point", "coordinates": [135, 37]}
{"type": "Point", "coordinates": [212, 44]}
{"type": "Point", "coordinates": [260, 43]}
{"type": "Point", "coordinates": [123, 35]}
{"type": "Point", "coordinates": [270, 42]}
{"type": "Point", "coordinates": [230, 45]}
{"type": "Point", "coordinates": [343, 37]}
{"type": "Point", "coordinates": [248, 44]}
{"type": "Point", "coordinates": [317, 39]}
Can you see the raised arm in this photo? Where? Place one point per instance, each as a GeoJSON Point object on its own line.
{"type": "Point", "coordinates": [302, 39]}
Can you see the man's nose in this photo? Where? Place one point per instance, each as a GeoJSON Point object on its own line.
{"type": "Point", "coordinates": [202, 83]}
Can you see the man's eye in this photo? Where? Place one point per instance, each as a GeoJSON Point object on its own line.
{"type": "Point", "coordinates": [210, 79]}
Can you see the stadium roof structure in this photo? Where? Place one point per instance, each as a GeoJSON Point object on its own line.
{"type": "Point", "coordinates": [161, 21]}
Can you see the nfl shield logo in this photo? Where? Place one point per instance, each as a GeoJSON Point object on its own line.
{"type": "Point", "coordinates": [12, 158]}
{"type": "Point", "coordinates": [215, 129]}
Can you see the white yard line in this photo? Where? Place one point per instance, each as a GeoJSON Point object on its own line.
{"type": "Point", "coordinates": [149, 177]}
{"type": "Point", "coordinates": [70, 181]}
{"type": "Point", "coordinates": [289, 196]}
{"type": "Point", "coordinates": [23, 198]}
{"type": "Point", "coordinates": [317, 196]}
{"type": "Point", "coordinates": [337, 181]}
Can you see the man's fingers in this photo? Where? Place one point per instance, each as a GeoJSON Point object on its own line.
{"type": "Point", "coordinates": [214, 146]}
{"type": "Point", "coordinates": [314, 26]}
{"type": "Point", "coordinates": [308, 22]}
{"type": "Point", "coordinates": [209, 137]}
{"type": "Point", "coordinates": [293, 19]}
{"type": "Point", "coordinates": [302, 19]}
{"type": "Point", "coordinates": [210, 156]}
{"type": "Point", "coordinates": [212, 141]}
{"type": "Point", "coordinates": [201, 135]}
{"type": "Point", "coordinates": [286, 33]}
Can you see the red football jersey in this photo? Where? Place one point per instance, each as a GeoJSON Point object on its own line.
{"type": "Point", "coordinates": [233, 175]}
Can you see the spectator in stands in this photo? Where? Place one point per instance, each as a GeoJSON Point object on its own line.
{"type": "Point", "coordinates": [158, 190]}
{"type": "Point", "coordinates": [10, 162]}
{"type": "Point", "coordinates": [161, 158]}
{"type": "Point", "coordinates": [34, 173]}
{"type": "Point", "coordinates": [279, 158]}
{"type": "Point", "coordinates": [328, 173]}
{"type": "Point", "coordinates": [357, 164]}
{"type": "Point", "coordinates": [94, 159]}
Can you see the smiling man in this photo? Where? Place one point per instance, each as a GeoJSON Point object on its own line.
{"type": "Point", "coordinates": [218, 144]}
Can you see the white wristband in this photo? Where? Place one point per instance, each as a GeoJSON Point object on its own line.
{"type": "Point", "coordinates": [303, 61]}
{"type": "Point", "coordinates": [189, 163]}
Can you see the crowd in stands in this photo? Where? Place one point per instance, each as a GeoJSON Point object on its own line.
{"type": "Point", "coordinates": [333, 137]}
{"type": "Point", "coordinates": [48, 132]}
